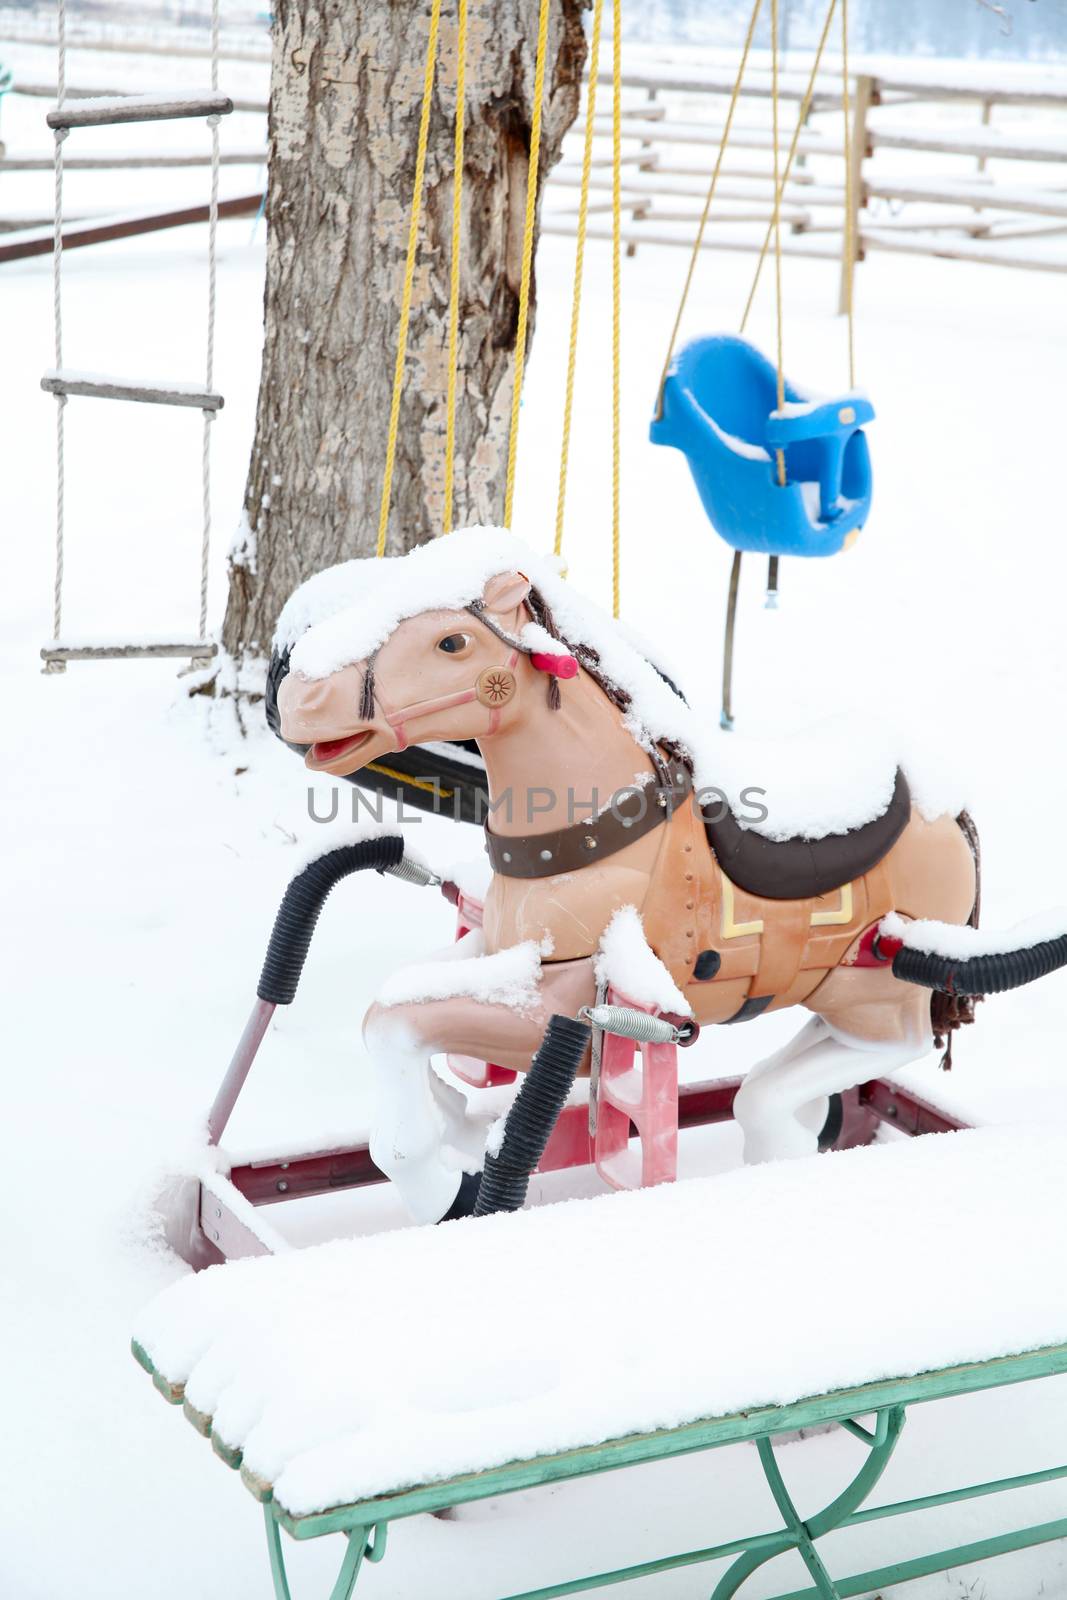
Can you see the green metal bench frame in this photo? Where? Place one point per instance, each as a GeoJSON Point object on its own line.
{"type": "Point", "coordinates": [365, 1523]}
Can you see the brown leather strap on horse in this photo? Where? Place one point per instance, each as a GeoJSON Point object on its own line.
{"type": "Point", "coordinates": [631, 814]}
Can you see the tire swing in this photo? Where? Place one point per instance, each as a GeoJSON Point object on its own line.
{"type": "Point", "coordinates": [778, 473]}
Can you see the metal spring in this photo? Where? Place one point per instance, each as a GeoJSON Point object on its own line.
{"type": "Point", "coordinates": [414, 872]}
{"type": "Point", "coordinates": [630, 1024]}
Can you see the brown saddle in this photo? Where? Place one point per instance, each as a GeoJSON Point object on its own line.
{"type": "Point", "coordinates": [800, 869]}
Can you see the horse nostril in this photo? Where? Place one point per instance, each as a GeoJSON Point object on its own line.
{"type": "Point", "coordinates": [297, 701]}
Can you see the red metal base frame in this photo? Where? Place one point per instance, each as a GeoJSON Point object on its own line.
{"type": "Point", "coordinates": [268, 1182]}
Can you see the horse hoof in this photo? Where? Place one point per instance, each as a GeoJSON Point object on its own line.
{"type": "Point", "coordinates": [835, 1121]}
{"type": "Point", "coordinates": [466, 1198]}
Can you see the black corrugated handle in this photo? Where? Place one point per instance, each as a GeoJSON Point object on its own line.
{"type": "Point", "coordinates": [303, 900]}
{"type": "Point", "coordinates": [981, 975]}
{"type": "Point", "coordinates": [533, 1115]}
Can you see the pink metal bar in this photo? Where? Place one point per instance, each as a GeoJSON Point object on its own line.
{"type": "Point", "coordinates": [639, 1092]}
{"type": "Point", "coordinates": [239, 1068]}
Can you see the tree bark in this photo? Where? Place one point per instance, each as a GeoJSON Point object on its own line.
{"type": "Point", "coordinates": [346, 92]}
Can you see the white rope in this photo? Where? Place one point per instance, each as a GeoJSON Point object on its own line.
{"type": "Point", "coordinates": [212, 235]}
{"type": "Point", "coordinates": [57, 309]}
{"type": "Point", "coordinates": [57, 316]}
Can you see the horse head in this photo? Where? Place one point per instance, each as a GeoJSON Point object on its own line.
{"type": "Point", "coordinates": [442, 674]}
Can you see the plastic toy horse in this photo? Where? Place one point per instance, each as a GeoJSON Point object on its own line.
{"type": "Point", "coordinates": [475, 637]}
{"type": "Point", "coordinates": [720, 409]}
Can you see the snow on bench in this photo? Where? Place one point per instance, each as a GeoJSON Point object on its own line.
{"type": "Point", "coordinates": [365, 1366]}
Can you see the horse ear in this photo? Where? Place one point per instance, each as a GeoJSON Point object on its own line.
{"type": "Point", "coordinates": [506, 591]}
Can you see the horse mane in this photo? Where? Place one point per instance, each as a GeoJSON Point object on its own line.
{"type": "Point", "coordinates": [589, 658]}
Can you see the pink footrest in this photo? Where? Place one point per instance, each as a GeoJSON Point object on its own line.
{"type": "Point", "coordinates": [641, 1090]}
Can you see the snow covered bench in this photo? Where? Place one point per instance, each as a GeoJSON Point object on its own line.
{"type": "Point", "coordinates": [366, 1380]}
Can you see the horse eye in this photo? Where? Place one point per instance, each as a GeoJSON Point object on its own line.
{"type": "Point", "coordinates": [454, 643]}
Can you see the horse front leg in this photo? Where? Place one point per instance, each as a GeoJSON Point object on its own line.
{"type": "Point", "coordinates": [421, 1134]}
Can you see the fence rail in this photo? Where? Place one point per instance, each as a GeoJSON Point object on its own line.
{"type": "Point", "coordinates": [930, 181]}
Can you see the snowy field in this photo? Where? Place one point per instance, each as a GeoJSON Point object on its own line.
{"type": "Point", "coordinates": [148, 837]}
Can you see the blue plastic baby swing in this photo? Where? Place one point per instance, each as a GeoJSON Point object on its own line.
{"type": "Point", "coordinates": [719, 409]}
{"type": "Point", "coordinates": [778, 473]}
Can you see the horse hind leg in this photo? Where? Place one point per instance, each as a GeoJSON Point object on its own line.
{"type": "Point", "coordinates": [781, 1105]}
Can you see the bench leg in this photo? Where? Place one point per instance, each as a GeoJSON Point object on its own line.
{"type": "Point", "coordinates": [801, 1536]}
{"type": "Point", "coordinates": [368, 1543]}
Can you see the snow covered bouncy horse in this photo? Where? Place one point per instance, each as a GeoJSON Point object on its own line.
{"type": "Point", "coordinates": [474, 637]}
{"type": "Point", "coordinates": [270, 1358]}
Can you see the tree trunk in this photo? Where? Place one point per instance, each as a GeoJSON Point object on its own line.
{"type": "Point", "coordinates": [346, 92]}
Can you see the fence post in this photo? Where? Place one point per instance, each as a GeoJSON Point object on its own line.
{"type": "Point", "coordinates": [864, 99]}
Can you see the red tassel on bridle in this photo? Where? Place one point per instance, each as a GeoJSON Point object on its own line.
{"type": "Point", "coordinates": [559, 666]}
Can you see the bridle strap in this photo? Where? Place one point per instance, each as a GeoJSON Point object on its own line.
{"type": "Point", "coordinates": [398, 720]}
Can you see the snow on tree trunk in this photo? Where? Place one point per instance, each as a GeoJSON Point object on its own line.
{"type": "Point", "coordinates": [346, 93]}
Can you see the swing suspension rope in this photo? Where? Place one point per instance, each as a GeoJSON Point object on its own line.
{"type": "Point", "coordinates": [52, 664]}
{"type": "Point", "coordinates": [526, 275]}
{"type": "Point", "coordinates": [781, 175]}
{"type": "Point", "coordinates": [616, 284]}
{"type": "Point", "coordinates": [616, 287]}
{"type": "Point", "coordinates": [850, 179]}
{"type": "Point", "coordinates": [781, 178]}
{"type": "Point", "coordinates": [409, 274]}
{"type": "Point", "coordinates": [411, 258]}
{"type": "Point", "coordinates": [454, 271]}
{"type": "Point", "coordinates": [57, 319]}
{"type": "Point", "coordinates": [527, 257]}
{"type": "Point", "coordinates": [698, 241]}
{"type": "Point", "coordinates": [209, 365]}
{"type": "Point", "coordinates": [776, 222]}
{"type": "Point", "coordinates": [579, 269]}
{"type": "Point", "coordinates": [802, 117]}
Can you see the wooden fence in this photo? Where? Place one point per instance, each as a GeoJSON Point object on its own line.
{"type": "Point", "coordinates": [934, 173]}
{"type": "Point", "coordinates": [932, 176]}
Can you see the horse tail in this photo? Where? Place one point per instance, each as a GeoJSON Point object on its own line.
{"type": "Point", "coordinates": [962, 966]}
{"type": "Point", "coordinates": [948, 1012]}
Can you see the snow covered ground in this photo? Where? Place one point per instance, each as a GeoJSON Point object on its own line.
{"type": "Point", "coordinates": [146, 841]}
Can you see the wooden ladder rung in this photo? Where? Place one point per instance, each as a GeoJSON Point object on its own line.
{"type": "Point", "coordinates": [103, 110]}
{"type": "Point", "coordinates": [104, 388]}
{"type": "Point", "coordinates": [197, 650]}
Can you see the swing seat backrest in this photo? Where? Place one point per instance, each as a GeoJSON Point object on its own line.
{"type": "Point", "coordinates": [720, 409]}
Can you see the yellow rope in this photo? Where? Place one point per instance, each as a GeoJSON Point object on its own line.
{"type": "Point", "coordinates": [805, 107]}
{"type": "Point", "coordinates": [616, 320]}
{"type": "Point", "coordinates": [776, 223]}
{"type": "Point", "coordinates": [409, 275]}
{"type": "Point", "coordinates": [850, 240]}
{"type": "Point", "coordinates": [579, 268]}
{"type": "Point", "coordinates": [453, 294]}
{"type": "Point", "coordinates": [735, 96]}
{"type": "Point", "coordinates": [527, 256]}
